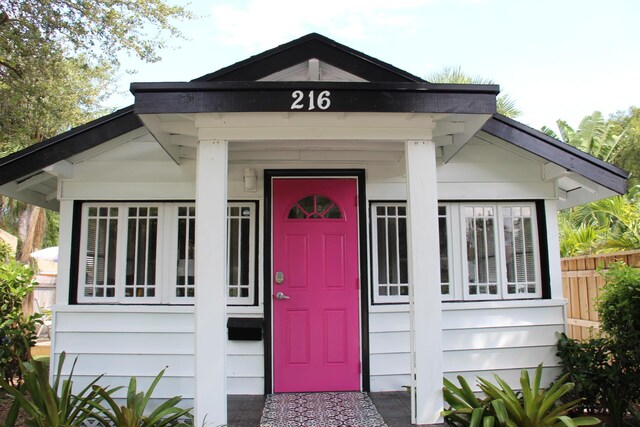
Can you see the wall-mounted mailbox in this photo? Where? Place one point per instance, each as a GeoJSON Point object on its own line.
{"type": "Point", "coordinates": [245, 328]}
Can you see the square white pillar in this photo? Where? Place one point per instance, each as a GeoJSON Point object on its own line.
{"type": "Point", "coordinates": [424, 275]}
{"type": "Point", "coordinates": [210, 274]}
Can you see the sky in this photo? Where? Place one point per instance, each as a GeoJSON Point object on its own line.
{"type": "Point", "coordinates": [559, 59]}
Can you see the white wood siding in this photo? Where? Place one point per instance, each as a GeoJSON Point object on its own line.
{"type": "Point", "coordinates": [479, 339]}
{"type": "Point", "coordinates": [122, 342]}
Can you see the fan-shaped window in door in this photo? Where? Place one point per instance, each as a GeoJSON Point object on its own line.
{"type": "Point", "coordinates": [315, 207]}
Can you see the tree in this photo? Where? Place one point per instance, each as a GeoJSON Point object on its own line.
{"type": "Point", "coordinates": [594, 135]}
{"type": "Point", "coordinates": [607, 225]}
{"type": "Point", "coordinates": [505, 104]}
{"type": "Point", "coordinates": [627, 123]}
{"type": "Point", "coordinates": [58, 59]}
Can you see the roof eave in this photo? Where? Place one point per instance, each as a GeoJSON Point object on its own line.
{"type": "Point", "coordinates": [31, 159]}
{"type": "Point", "coordinates": [558, 152]}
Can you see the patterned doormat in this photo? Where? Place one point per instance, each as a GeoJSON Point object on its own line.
{"type": "Point", "coordinates": [330, 409]}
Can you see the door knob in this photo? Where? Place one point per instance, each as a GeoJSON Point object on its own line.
{"type": "Point", "coordinates": [281, 295]}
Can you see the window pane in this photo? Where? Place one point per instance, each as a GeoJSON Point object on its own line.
{"type": "Point", "coordinates": [392, 231]}
{"type": "Point", "coordinates": [391, 252]}
{"type": "Point", "coordinates": [244, 253]}
{"type": "Point", "coordinates": [315, 207]}
{"type": "Point", "coordinates": [444, 250]}
{"type": "Point", "coordinates": [482, 256]}
{"type": "Point", "coordinates": [520, 260]}
{"type": "Point", "coordinates": [382, 251]}
{"type": "Point", "coordinates": [100, 252]}
{"type": "Point", "coordinates": [241, 252]}
{"type": "Point", "coordinates": [142, 236]}
{"type": "Point", "coordinates": [233, 252]}
{"type": "Point", "coordinates": [402, 246]}
{"type": "Point", "coordinates": [186, 251]}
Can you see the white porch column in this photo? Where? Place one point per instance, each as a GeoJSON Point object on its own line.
{"type": "Point", "coordinates": [424, 274]}
{"type": "Point", "coordinates": [210, 273]}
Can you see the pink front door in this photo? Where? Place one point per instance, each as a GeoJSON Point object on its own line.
{"type": "Point", "coordinates": [316, 338]}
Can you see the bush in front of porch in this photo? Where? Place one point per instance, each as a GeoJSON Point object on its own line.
{"type": "Point", "coordinates": [502, 406]}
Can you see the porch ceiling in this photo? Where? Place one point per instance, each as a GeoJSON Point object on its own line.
{"type": "Point", "coordinates": [294, 131]}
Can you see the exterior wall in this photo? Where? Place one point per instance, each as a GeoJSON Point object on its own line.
{"type": "Point", "coordinates": [126, 341]}
{"type": "Point", "coordinates": [479, 337]}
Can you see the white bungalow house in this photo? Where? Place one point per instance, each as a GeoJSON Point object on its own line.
{"type": "Point", "coordinates": [308, 219]}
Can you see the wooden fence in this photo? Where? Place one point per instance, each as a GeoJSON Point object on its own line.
{"type": "Point", "coordinates": [581, 284]}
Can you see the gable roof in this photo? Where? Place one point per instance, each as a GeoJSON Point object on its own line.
{"type": "Point", "coordinates": [311, 46]}
{"type": "Point", "coordinates": [242, 76]}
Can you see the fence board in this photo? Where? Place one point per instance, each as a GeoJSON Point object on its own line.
{"type": "Point", "coordinates": [582, 284]}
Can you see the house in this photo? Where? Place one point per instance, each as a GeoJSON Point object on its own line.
{"type": "Point", "coordinates": [308, 219]}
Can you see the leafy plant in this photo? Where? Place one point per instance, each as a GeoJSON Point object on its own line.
{"type": "Point", "coordinates": [466, 409]}
{"type": "Point", "coordinates": [17, 330]}
{"type": "Point", "coordinates": [589, 366]}
{"type": "Point", "coordinates": [535, 406]}
{"type": "Point", "coordinates": [132, 414]}
{"type": "Point", "coordinates": [619, 305]}
{"type": "Point", "coordinates": [502, 406]}
{"type": "Point", "coordinates": [50, 405]}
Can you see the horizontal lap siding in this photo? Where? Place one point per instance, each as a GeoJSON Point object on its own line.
{"type": "Point", "coordinates": [123, 344]}
{"type": "Point", "coordinates": [476, 342]}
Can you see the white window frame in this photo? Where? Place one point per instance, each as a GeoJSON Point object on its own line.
{"type": "Point", "coordinates": [171, 256]}
{"type": "Point", "coordinates": [166, 254]}
{"type": "Point", "coordinates": [500, 252]}
{"type": "Point", "coordinates": [377, 298]}
{"type": "Point", "coordinates": [457, 253]}
{"type": "Point", "coordinates": [453, 276]}
{"type": "Point", "coordinates": [121, 250]}
{"type": "Point", "coordinates": [251, 298]}
{"type": "Point", "coordinates": [465, 265]}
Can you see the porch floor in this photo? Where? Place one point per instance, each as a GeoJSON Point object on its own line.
{"type": "Point", "coordinates": [394, 406]}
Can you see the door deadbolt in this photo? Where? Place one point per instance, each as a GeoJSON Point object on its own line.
{"type": "Point", "coordinates": [279, 277]}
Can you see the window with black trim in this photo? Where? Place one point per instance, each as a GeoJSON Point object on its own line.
{"type": "Point", "coordinates": [144, 253]}
{"type": "Point", "coordinates": [495, 246]}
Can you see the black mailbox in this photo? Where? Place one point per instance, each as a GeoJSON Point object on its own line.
{"type": "Point", "coordinates": [245, 328]}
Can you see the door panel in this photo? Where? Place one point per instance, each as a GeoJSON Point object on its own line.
{"type": "Point", "coordinates": [316, 327]}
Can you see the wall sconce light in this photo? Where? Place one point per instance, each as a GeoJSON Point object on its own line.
{"type": "Point", "coordinates": [250, 179]}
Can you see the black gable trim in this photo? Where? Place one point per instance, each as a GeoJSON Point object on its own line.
{"type": "Point", "coordinates": [307, 47]}
{"type": "Point", "coordinates": [388, 97]}
{"type": "Point", "coordinates": [52, 150]}
{"type": "Point", "coordinates": [557, 152]}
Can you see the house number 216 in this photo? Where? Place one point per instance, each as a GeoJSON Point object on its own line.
{"type": "Point", "coordinates": [322, 101]}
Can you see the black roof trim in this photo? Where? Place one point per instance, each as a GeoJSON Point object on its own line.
{"type": "Point", "coordinates": [211, 86]}
{"type": "Point", "coordinates": [388, 97]}
{"type": "Point", "coordinates": [307, 47]}
{"type": "Point", "coordinates": [558, 152]}
{"type": "Point", "coordinates": [35, 157]}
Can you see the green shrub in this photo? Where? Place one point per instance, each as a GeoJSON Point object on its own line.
{"type": "Point", "coordinates": [6, 253]}
{"type": "Point", "coordinates": [17, 330]}
{"type": "Point", "coordinates": [50, 405]}
{"type": "Point", "coordinates": [133, 413]}
{"type": "Point", "coordinates": [606, 370]}
{"type": "Point", "coordinates": [619, 306]}
{"type": "Point", "coordinates": [467, 409]}
{"type": "Point", "coordinates": [502, 406]}
{"type": "Point", "coordinates": [589, 366]}
{"type": "Point", "coordinates": [535, 406]}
